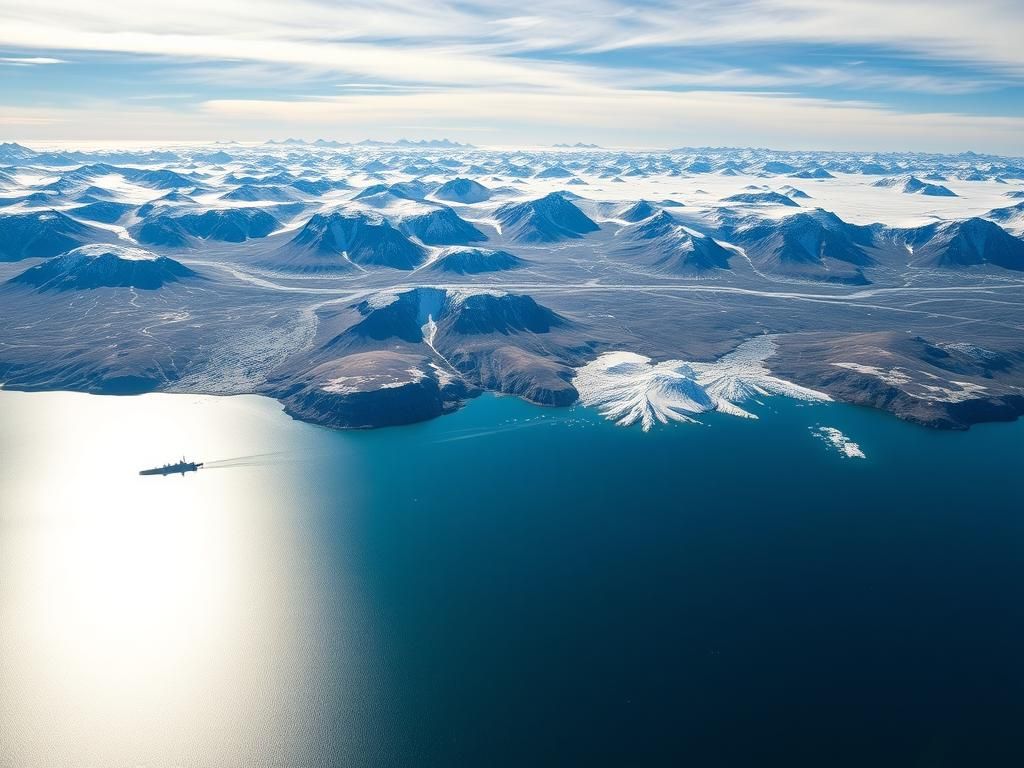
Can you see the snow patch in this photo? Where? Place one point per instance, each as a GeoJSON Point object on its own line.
{"type": "Point", "coordinates": [458, 296]}
{"type": "Point", "coordinates": [954, 392]}
{"type": "Point", "coordinates": [96, 250]}
{"type": "Point", "coordinates": [348, 385]}
{"type": "Point", "coordinates": [381, 300]}
{"type": "Point", "coordinates": [893, 376]}
{"type": "Point", "coordinates": [965, 390]}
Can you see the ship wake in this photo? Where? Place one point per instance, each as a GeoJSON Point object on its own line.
{"type": "Point", "coordinates": [253, 460]}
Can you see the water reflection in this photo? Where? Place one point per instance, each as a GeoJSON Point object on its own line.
{"type": "Point", "coordinates": [150, 617]}
{"type": "Point", "coordinates": [505, 586]}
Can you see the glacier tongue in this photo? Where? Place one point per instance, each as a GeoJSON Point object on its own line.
{"type": "Point", "coordinates": [628, 388]}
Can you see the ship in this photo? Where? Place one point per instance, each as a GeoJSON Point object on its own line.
{"type": "Point", "coordinates": [169, 469]}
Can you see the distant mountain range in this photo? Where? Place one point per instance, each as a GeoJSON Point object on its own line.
{"type": "Point", "coordinates": [422, 143]}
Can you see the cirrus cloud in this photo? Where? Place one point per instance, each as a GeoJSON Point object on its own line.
{"type": "Point", "coordinates": [868, 73]}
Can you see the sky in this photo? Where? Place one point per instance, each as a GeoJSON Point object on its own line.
{"type": "Point", "coordinates": [916, 75]}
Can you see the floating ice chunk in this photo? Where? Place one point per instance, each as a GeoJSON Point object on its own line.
{"type": "Point", "coordinates": [840, 442]}
{"type": "Point", "coordinates": [629, 388]}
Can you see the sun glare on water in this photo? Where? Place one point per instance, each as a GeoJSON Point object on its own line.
{"type": "Point", "coordinates": [153, 613]}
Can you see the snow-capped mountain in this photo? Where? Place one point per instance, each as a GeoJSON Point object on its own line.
{"type": "Point", "coordinates": [666, 245]}
{"type": "Point", "coordinates": [911, 185]}
{"type": "Point", "coordinates": [970, 243]}
{"type": "Point", "coordinates": [43, 234]}
{"type": "Point", "coordinates": [104, 266]}
{"type": "Point", "coordinates": [441, 226]}
{"type": "Point", "coordinates": [231, 225]}
{"type": "Point", "coordinates": [548, 219]}
{"type": "Point", "coordinates": [462, 190]}
{"type": "Point", "coordinates": [472, 261]}
{"type": "Point", "coordinates": [813, 245]}
{"type": "Point", "coordinates": [344, 239]}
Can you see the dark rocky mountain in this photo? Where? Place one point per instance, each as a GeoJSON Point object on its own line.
{"type": "Point", "coordinates": [969, 243]}
{"type": "Point", "coordinates": [44, 234]}
{"type": "Point", "coordinates": [101, 211]}
{"type": "Point", "coordinates": [92, 194]}
{"type": "Point", "coordinates": [816, 245]}
{"type": "Point", "coordinates": [663, 244]}
{"type": "Point", "coordinates": [12, 152]}
{"type": "Point", "coordinates": [761, 198]}
{"type": "Point", "coordinates": [441, 226]}
{"type": "Point", "coordinates": [548, 219]}
{"type": "Point", "coordinates": [339, 240]}
{"type": "Point", "coordinates": [157, 179]}
{"type": "Point", "coordinates": [813, 173]}
{"type": "Point", "coordinates": [471, 261]}
{"type": "Point", "coordinates": [103, 266]}
{"type": "Point", "coordinates": [554, 172]}
{"type": "Point", "coordinates": [317, 187]}
{"type": "Point", "coordinates": [504, 313]}
{"type": "Point", "coordinates": [405, 190]}
{"type": "Point", "coordinates": [777, 166]}
{"type": "Point", "coordinates": [34, 199]}
{"type": "Point", "coordinates": [1013, 214]}
{"type": "Point", "coordinates": [638, 211]}
{"type": "Point", "coordinates": [170, 200]}
{"type": "Point", "coordinates": [404, 316]}
{"type": "Point", "coordinates": [911, 185]}
{"type": "Point", "coordinates": [462, 191]}
{"type": "Point", "coordinates": [255, 192]}
{"type": "Point", "coordinates": [231, 225]}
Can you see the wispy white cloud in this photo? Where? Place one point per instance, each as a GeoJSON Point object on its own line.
{"type": "Point", "coordinates": [850, 77]}
{"type": "Point", "coordinates": [385, 61]}
{"type": "Point", "coordinates": [437, 39]}
{"type": "Point", "coordinates": [475, 61]}
{"type": "Point", "coordinates": [29, 61]}
{"type": "Point", "coordinates": [22, 117]}
{"type": "Point", "coordinates": [985, 31]}
{"type": "Point", "coordinates": [162, 96]}
{"type": "Point", "coordinates": [612, 117]}
{"type": "Point", "coordinates": [668, 118]}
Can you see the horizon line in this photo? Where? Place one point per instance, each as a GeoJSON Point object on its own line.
{"type": "Point", "coordinates": [459, 145]}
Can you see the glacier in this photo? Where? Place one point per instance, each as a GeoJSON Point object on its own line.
{"type": "Point", "coordinates": [630, 388]}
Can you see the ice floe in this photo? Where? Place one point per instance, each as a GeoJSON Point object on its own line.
{"type": "Point", "coordinates": [839, 442]}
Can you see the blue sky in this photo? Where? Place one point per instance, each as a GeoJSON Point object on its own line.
{"type": "Point", "coordinates": [822, 74]}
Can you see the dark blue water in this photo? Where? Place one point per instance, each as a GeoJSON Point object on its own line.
{"type": "Point", "coordinates": [511, 586]}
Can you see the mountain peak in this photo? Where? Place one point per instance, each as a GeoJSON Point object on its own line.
{"type": "Point", "coordinates": [104, 266]}
{"type": "Point", "coordinates": [547, 219]}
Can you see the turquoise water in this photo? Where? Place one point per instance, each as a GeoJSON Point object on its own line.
{"type": "Point", "coordinates": [507, 585]}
